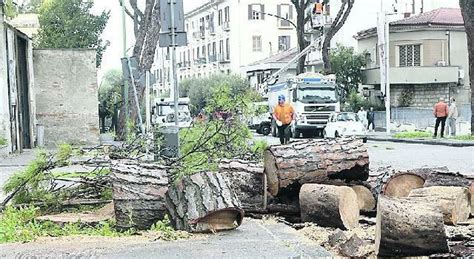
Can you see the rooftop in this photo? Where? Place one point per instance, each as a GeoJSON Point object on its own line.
{"type": "Point", "coordinates": [282, 57]}
{"type": "Point", "coordinates": [438, 18]}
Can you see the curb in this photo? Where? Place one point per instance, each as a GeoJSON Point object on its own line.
{"type": "Point", "coordinates": [422, 141]}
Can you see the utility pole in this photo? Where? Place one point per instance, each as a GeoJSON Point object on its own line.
{"type": "Point", "coordinates": [124, 45]}
{"type": "Point", "coordinates": [384, 43]}
{"type": "Point", "coordinates": [174, 76]}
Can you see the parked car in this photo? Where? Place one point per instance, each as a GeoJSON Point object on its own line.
{"type": "Point", "coordinates": [343, 124]}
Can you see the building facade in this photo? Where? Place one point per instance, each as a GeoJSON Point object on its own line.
{"type": "Point", "coordinates": [428, 59]}
{"type": "Point", "coordinates": [225, 35]}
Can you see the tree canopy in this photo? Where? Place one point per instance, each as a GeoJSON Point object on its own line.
{"type": "Point", "coordinates": [70, 24]}
{"type": "Point", "coordinates": [347, 65]}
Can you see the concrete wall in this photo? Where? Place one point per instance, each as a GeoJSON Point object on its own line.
{"type": "Point", "coordinates": [67, 95]}
{"type": "Point", "coordinates": [4, 107]}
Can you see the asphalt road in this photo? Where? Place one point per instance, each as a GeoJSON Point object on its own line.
{"type": "Point", "coordinates": [408, 156]}
{"type": "Point", "coordinates": [254, 239]}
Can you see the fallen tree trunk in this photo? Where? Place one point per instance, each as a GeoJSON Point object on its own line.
{"type": "Point", "coordinates": [408, 227]}
{"type": "Point", "coordinates": [329, 206]}
{"type": "Point", "coordinates": [287, 167]}
{"type": "Point", "coordinates": [454, 202]}
{"type": "Point", "coordinates": [139, 193]}
{"type": "Point", "coordinates": [399, 184]}
{"type": "Point", "coordinates": [246, 180]}
{"type": "Point", "coordinates": [203, 202]}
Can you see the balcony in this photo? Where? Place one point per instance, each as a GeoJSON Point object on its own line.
{"type": "Point", "coordinates": [223, 59]}
{"type": "Point", "coordinates": [414, 75]}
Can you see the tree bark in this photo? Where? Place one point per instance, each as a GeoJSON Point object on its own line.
{"type": "Point", "coordinates": [138, 193]}
{"type": "Point", "coordinates": [287, 167]}
{"type": "Point", "coordinates": [203, 202]}
{"type": "Point", "coordinates": [329, 206]}
{"type": "Point", "coordinates": [454, 202]}
{"type": "Point", "coordinates": [467, 10]}
{"type": "Point", "coordinates": [407, 227]}
{"type": "Point", "coordinates": [246, 180]}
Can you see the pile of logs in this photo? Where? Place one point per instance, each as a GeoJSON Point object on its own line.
{"type": "Point", "coordinates": [321, 181]}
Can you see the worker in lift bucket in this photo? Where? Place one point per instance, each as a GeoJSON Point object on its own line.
{"type": "Point", "coordinates": [317, 14]}
{"type": "Point", "coordinates": [284, 115]}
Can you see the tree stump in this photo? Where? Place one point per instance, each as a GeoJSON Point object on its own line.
{"type": "Point", "coordinates": [454, 202]}
{"type": "Point", "coordinates": [329, 206]}
{"type": "Point", "coordinates": [287, 167]}
{"type": "Point", "coordinates": [247, 180]}
{"type": "Point", "coordinates": [139, 193]}
{"type": "Point", "coordinates": [408, 227]}
{"type": "Point", "coordinates": [203, 202]}
{"type": "Point", "coordinates": [365, 198]}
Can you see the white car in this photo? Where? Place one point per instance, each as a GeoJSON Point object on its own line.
{"type": "Point", "coordinates": [343, 124]}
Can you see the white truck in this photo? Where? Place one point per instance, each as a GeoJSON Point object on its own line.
{"type": "Point", "coordinates": [313, 97]}
{"type": "Point", "coordinates": [261, 121]}
{"type": "Point", "coordinates": [163, 112]}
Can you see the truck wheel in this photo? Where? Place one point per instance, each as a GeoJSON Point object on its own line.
{"type": "Point", "coordinates": [337, 135]}
{"type": "Point", "coordinates": [265, 130]}
{"type": "Point", "coordinates": [259, 130]}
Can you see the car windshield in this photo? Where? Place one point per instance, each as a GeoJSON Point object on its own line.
{"type": "Point", "coordinates": [347, 117]}
{"type": "Point", "coordinates": [167, 109]}
{"type": "Point", "coordinates": [316, 95]}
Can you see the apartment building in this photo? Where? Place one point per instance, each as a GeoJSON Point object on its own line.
{"type": "Point", "coordinates": [225, 35]}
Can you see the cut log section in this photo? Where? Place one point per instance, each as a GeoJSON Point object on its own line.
{"type": "Point", "coordinates": [365, 198]}
{"type": "Point", "coordinates": [287, 167]}
{"type": "Point", "coordinates": [454, 202]}
{"type": "Point", "coordinates": [203, 202]}
{"type": "Point", "coordinates": [139, 193]}
{"type": "Point", "coordinates": [399, 184]}
{"type": "Point", "coordinates": [408, 227]}
{"type": "Point", "coordinates": [329, 206]}
{"type": "Point", "coordinates": [246, 179]}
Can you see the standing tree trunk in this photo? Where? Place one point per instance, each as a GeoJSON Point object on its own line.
{"type": "Point", "coordinates": [467, 9]}
{"type": "Point", "coordinates": [301, 20]}
{"type": "Point", "coordinates": [203, 202]}
{"type": "Point", "coordinates": [146, 29]}
{"type": "Point", "coordinates": [408, 228]}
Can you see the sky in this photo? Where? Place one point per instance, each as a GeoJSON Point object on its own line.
{"type": "Point", "coordinates": [113, 31]}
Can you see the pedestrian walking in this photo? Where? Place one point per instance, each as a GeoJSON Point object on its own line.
{"type": "Point", "coordinates": [371, 118]}
{"type": "Point", "coordinates": [441, 113]}
{"type": "Point", "coordinates": [283, 114]}
{"type": "Point", "coordinates": [452, 117]}
{"type": "Point", "coordinates": [362, 114]}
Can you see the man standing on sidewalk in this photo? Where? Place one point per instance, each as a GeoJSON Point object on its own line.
{"type": "Point", "coordinates": [283, 114]}
{"type": "Point", "coordinates": [452, 117]}
{"type": "Point", "coordinates": [371, 118]}
{"type": "Point", "coordinates": [441, 113]}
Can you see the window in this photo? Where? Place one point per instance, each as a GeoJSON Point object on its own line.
{"type": "Point", "coordinates": [219, 17]}
{"type": "Point", "coordinates": [283, 43]}
{"type": "Point", "coordinates": [409, 55]}
{"type": "Point", "coordinates": [285, 11]}
{"type": "Point", "coordinates": [209, 52]}
{"type": "Point", "coordinates": [226, 14]}
{"type": "Point", "coordinates": [256, 12]}
{"type": "Point", "coordinates": [213, 51]}
{"type": "Point", "coordinates": [221, 48]}
{"type": "Point", "coordinates": [203, 52]}
{"type": "Point", "coordinates": [211, 23]}
{"type": "Point", "coordinates": [256, 43]}
{"type": "Point", "coordinates": [227, 49]}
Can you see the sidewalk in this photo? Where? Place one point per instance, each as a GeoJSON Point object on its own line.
{"type": "Point", "coordinates": [382, 136]}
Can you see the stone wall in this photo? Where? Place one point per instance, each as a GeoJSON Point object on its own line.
{"type": "Point", "coordinates": [425, 96]}
{"type": "Point", "coordinates": [67, 95]}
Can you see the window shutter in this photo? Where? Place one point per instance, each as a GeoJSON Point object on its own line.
{"type": "Point", "coordinates": [290, 12]}
{"type": "Point", "coordinates": [262, 10]}
{"type": "Point", "coordinates": [279, 10]}
{"type": "Point", "coordinates": [250, 12]}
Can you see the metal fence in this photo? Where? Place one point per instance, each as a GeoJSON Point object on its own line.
{"type": "Point", "coordinates": [422, 118]}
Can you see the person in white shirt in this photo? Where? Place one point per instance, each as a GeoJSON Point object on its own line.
{"type": "Point", "coordinates": [362, 116]}
{"type": "Point", "coordinates": [452, 117]}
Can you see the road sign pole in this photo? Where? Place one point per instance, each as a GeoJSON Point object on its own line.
{"type": "Point", "coordinates": [174, 77]}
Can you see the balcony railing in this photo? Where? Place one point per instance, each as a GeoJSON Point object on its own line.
{"type": "Point", "coordinates": [226, 26]}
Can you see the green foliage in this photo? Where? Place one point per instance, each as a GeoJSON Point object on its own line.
{"type": "Point", "coordinates": [355, 102]}
{"type": "Point", "coordinates": [413, 134]}
{"type": "Point", "coordinates": [258, 147]}
{"type": "Point", "coordinates": [201, 91]}
{"type": "Point", "coordinates": [225, 135]}
{"type": "Point", "coordinates": [70, 24]}
{"type": "Point", "coordinates": [11, 10]}
{"type": "Point", "coordinates": [347, 66]}
{"type": "Point", "coordinates": [3, 141]}
{"type": "Point", "coordinates": [406, 97]}
{"type": "Point", "coordinates": [64, 154]}
{"type": "Point", "coordinates": [31, 6]}
{"type": "Point", "coordinates": [167, 232]}
{"type": "Point", "coordinates": [110, 92]}
{"type": "Point", "coordinates": [463, 137]}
